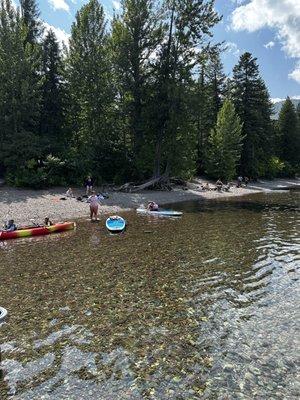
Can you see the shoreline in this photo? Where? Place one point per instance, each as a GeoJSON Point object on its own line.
{"type": "Point", "coordinates": [26, 205]}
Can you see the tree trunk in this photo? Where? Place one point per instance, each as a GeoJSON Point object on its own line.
{"type": "Point", "coordinates": [157, 159]}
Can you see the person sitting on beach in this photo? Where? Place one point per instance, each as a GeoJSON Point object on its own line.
{"type": "Point", "coordinates": [152, 206]}
{"type": "Point", "coordinates": [219, 185]}
{"type": "Point", "coordinates": [10, 226]}
{"type": "Point", "coordinates": [47, 222]}
{"type": "Point", "coordinates": [94, 205]}
{"type": "Point", "coordinates": [88, 185]}
{"type": "Point", "coordinates": [69, 193]}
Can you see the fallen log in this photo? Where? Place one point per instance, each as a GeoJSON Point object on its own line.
{"type": "Point", "coordinates": [125, 188]}
{"type": "Point", "coordinates": [162, 182]}
{"type": "Point", "coordinates": [178, 181]}
{"type": "Point", "coordinates": [148, 184]}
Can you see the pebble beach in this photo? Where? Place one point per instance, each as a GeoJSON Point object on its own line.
{"type": "Point", "coordinates": [27, 206]}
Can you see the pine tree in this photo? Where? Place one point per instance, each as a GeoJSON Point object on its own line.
{"type": "Point", "coordinates": [289, 134]}
{"type": "Point", "coordinates": [187, 26]}
{"type": "Point", "coordinates": [225, 144]}
{"type": "Point", "coordinates": [136, 34]}
{"type": "Point", "coordinates": [31, 20]}
{"type": "Point", "coordinates": [252, 103]}
{"type": "Point", "coordinates": [209, 94]}
{"type": "Point", "coordinates": [202, 111]}
{"type": "Point", "coordinates": [19, 91]}
{"type": "Point", "coordinates": [298, 111]}
{"type": "Point", "coordinates": [91, 91]}
{"type": "Point", "coordinates": [52, 99]}
{"type": "Point", "coordinates": [298, 136]}
{"type": "Point", "coordinates": [216, 81]}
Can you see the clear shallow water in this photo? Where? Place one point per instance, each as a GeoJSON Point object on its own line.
{"type": "Point", "coordinates": [205, 306]}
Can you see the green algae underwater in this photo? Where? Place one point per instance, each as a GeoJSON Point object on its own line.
{"type": "Point", "coordinates": [203, 306]}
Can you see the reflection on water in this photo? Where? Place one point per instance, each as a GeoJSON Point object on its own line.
{"type": "Point", "coordinates": [205, 306]}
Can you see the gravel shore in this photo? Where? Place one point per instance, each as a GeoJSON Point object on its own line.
{"type": "Point", "coordinates": [25, 206]}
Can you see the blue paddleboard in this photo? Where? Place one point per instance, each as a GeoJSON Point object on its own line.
{"type": "Point", "coordinates": [115, 224]}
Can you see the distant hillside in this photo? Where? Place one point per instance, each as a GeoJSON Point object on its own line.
{"type": "Point", "coordinates": [277, 107]}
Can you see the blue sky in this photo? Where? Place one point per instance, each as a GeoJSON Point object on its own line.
{"type": "Point", "coordinates": [269, 29]}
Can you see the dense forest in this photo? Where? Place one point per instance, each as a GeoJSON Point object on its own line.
{"type": "Point", "coordinates": [143, 96]}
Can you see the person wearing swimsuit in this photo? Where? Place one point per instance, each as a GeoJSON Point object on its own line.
{"type": "Point", "coordinates": [94, 205]}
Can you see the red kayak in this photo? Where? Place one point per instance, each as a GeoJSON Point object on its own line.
{"type": "Point", "coordinates": [37, 231]}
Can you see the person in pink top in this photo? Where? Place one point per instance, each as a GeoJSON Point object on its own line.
{"type": "Point", "coordinates": [94, 205]}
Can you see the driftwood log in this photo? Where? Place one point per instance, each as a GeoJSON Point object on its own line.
{"type": "Point", "coordinates": [158, 183]}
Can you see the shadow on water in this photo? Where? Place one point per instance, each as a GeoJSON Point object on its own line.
{"type": "Point", "coordinates": [255, 203]}
{"type": "Point", "coordinates": [204, 306]}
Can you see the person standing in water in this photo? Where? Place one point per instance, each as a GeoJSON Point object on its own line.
{"type": "Point", "coordinates": [94, 205]}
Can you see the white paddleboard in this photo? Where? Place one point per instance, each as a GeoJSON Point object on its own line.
{"type": "Point", "coordinates": [167, 213]}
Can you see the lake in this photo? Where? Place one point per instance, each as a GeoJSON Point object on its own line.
{"type": "Point", "coordinates": [205, 306]}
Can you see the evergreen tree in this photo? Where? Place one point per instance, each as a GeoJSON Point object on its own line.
{"type": "Point", "coordinates": [136, 34]}
{"type": "Point", "coordinates": [139, 101]}
{"type": "Point", "coordinates": [90, 91]}
{"type": "Point", "coordinates": [52, 99]}
{"type": "Point", "coordinates": [298, 111]}
{"type": "Point", "coordinates": [225, 144]}
{"type": "Point", "coordinates": [202, 111]}
{"type": "Point", "coordinates": [31, 20]}
{"type": "Point", "coordinates": [289, 134]}
{"type": "Point", "coordinates": [19, 92]}
{"type": "Point", "coordinates": [209, 93]}
{"type": "Point", "coordinates": [252, 103]}
{"type": "Point", "coordinates": [187, 26]}
{"type": "Point", "coordinates": [298, 114]}
{"type": "Point", "coordinates": [216, 81]}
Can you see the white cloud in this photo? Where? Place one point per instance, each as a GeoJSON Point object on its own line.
{"type": "Point", "coordinates": [59, 5]}
{"type": "Point", "coordinates": [296, 73]}
{"type": "Point", "coordinates": [269, 45]}
{"type": "Point", "coordinates": [238, 2]}
{"type": "Point", "coordinates": [62, 36]}
{"type": "Point", "coordinates": [233, 49]}
{"type": "Point", "coordinates": [116, 4]}
{"type": "Point", "coordinates": [281, 15]}
{"type": "Point", "coordinates": [278, 99]}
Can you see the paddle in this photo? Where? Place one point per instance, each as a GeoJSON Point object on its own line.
{"type": "Point", "coordinates": [32, 220]}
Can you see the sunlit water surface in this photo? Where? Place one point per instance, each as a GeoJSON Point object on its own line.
{"type": "Point", "coordinates": [201, 307]}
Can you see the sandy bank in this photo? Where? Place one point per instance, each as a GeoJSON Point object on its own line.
{"type": "Point", "coordinates": [24, 205]}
